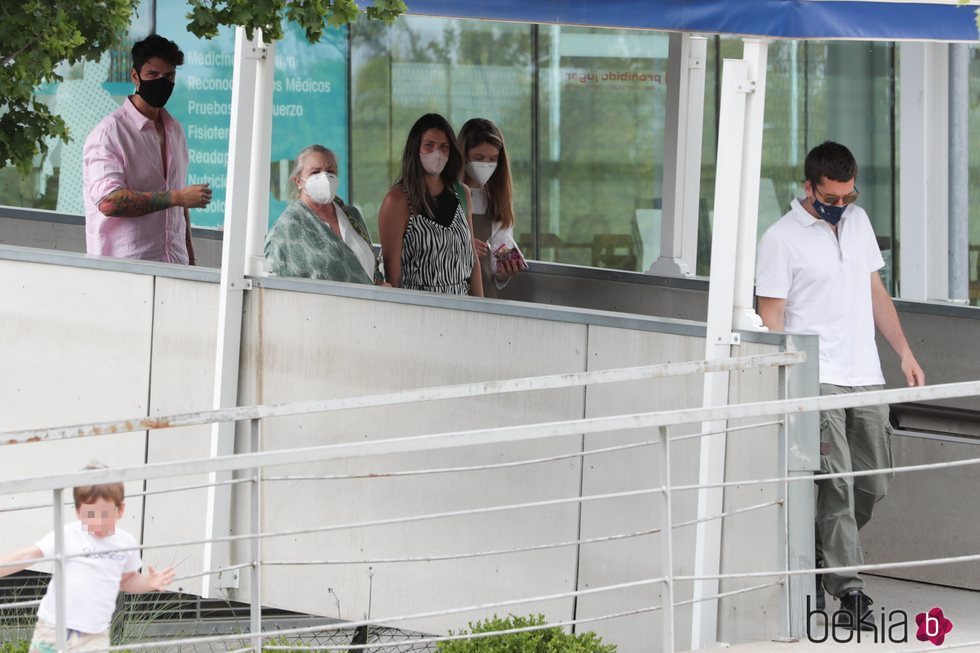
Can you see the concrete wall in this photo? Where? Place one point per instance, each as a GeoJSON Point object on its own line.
{"type": "Point", "coordinates": [74, 348]}
{"type": "Point", "coordinates": [930, 514]}
{"type": "Point", "coordinates": [942, 336]}
{"type": "Point", "coordinates": [90, 339]}
{"type": "Point", "coordinates": [66, 233]}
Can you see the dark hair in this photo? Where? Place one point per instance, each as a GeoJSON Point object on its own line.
{"type": "Point", "coordinates": [155, 45]}
{"type": "Point", "coordinates": [115, 492]}
{"type": "Point", "coordinates": [831, 160]}
{"type": "Point", "coordinates": [475, 132]}
{"type": "Point", "coordinates": [412, 178]}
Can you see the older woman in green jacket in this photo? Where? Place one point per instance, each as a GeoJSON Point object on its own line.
{"type": "Point", "coordinates": [318, 236]}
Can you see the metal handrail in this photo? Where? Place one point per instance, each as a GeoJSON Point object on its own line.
{"type": "Point", "coordinates": [256, 460]}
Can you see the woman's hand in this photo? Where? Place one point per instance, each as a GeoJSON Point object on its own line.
{"type": "Point", "coordinates": [482, 248]}
{"type": "Point", "coordinates": [507, 269]}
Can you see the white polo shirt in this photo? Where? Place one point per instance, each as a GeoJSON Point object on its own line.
{"type": "Point", "coordinates": [826, 282]}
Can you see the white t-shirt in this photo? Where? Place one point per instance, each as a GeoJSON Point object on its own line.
{"type": "Point", "coordinates": [481, 204]}
{"type": "Point", "coordinates": [826, 282]}
{"type": "Point", "coordinates": [362, 249]}
{"type": "Point", "coordinates": [92, 581]}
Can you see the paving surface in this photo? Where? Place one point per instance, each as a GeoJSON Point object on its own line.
{"type": "Point", "coordinates": [962, 607]}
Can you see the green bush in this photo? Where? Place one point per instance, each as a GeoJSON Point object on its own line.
{"type": "Point", "coordinates": [16, 646]}
{"type": "Point", "coordinates": [282, 640]}
{"type": "Point", "coordinates": [544, 640]}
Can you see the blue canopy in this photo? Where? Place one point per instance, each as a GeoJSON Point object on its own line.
{"type": "Point", "coordinates": [785, 19]}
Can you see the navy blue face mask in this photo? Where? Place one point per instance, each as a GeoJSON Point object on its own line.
{"type": "Point", "coordinates": [830, 213]}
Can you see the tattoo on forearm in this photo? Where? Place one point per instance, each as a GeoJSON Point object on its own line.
{"type": "Point", "coordinates": [132, 204]}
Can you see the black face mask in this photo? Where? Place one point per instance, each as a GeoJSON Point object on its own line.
{"type": "Point", "coordinates": [156, 92]}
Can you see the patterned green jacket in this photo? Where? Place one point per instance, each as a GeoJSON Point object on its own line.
{"type": "Point", "coordinates": [301, 245]}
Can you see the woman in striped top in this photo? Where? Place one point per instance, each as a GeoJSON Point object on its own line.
{"type": "Point", "coordinates": [425, 223]}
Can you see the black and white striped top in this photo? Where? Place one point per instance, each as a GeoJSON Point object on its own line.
{"type": "Point", "coordinates": [437, 258]}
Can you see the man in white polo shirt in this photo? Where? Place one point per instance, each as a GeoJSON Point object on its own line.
{"type": "Point", "coordinates": [818, 274]}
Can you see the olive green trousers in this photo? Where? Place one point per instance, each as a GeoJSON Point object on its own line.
{"type": "Point", "coordinates": [851, 439]}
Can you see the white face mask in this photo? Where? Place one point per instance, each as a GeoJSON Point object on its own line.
{"type": "Point", "coordinates": [434, 161]}
{"type": "Point", "coordinates": [480, 171]}
{"type": "Point", "coordinates": [321, 187]}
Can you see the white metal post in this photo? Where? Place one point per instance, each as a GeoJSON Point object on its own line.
{"type": "Point", "coordinates": [682, 156]}
{"type": "Point", "coordinates": [255, 505]}
{"type": "Point", "coordinates": [667, 543]}
{"type": "Point", "coordinates": [258, 201]}
{"type": "Point", "coordinates": [923, 190]}
{"type": "Point", "coordinates": [230, 302]}
{"type": "Point", "coordinates": [959, 174]}
{"type": "Point", "coordinates": [59, 571]}
{"type": "Point", "coordinates": [554, 129]}
{"type": "Point", "coordinates": [784, 527]}
{"type": "Point", "coordinates": [735, 85]}
{"type": "Point", "coordinates": [756, 54]}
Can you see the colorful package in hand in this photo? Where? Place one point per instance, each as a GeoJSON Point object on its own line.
{"type": "Point", "coordinates": [507, 251]}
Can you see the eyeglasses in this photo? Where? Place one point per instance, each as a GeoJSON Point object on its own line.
{"type": "Point", "coordinates": [850, 198]}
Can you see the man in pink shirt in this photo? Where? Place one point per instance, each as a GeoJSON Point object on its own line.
{"type": "Point", "coordinates": [134, 168]}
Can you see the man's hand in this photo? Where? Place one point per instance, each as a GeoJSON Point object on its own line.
{"type": "Point", "coordinates": [196, 196]}
{"type": "Point", "coordinates": [886, 320]}
{"type": "Point", "coordinates": [913, 373]}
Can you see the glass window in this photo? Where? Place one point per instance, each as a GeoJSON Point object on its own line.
{"type": "Point", "coordinates": [89, 91]}
{"type": "Point", "coordinates": [851, 100]}
{"type": "Point", "coordinates": [603, 98]}
{"type": "Point", "coordinates": [582, 110]}
{"type": "Point", "coordinates": [815, 91]}
{"type": "Point", "coordinates": [309, 105]}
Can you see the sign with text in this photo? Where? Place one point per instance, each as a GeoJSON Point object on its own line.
{"type": "Point", "coordinates": [309, 106]}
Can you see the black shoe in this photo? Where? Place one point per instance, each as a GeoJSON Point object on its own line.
{"type": "Point", "coordinates": [820, 597]}
{"type": "Point", "coordinates": [855, 607]}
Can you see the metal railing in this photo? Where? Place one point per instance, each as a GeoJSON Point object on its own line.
{"type": "Point", "coordinates": [254, 462]}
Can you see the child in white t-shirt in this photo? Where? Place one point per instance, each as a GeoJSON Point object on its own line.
{"type": "Point", "coordinates": [93, 578]}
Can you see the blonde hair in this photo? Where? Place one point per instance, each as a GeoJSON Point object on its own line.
{"type": "Point", "coordinates": [298, 165]}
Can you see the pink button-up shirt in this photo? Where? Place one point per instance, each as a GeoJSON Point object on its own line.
{"type": "Point", "coordinates": [123, 152]}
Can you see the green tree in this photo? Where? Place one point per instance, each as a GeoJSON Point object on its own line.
{"type": "Point", "coordinates": [34, 37]}
{"type": "Point", "coordinates": [207, 16]}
